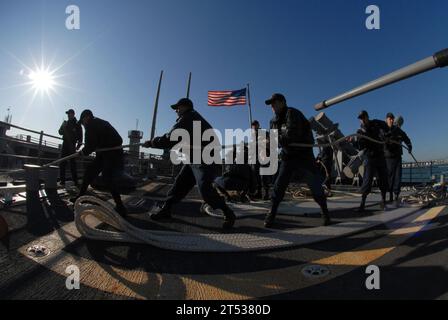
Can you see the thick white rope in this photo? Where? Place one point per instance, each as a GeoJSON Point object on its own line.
{"type": "Point", "coordinates": [91, 207]}
{"type": "Point", "coordinates": [126, 232]}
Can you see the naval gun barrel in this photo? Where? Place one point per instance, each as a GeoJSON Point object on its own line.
{"type": "Point", "coordinates": [438, 60]}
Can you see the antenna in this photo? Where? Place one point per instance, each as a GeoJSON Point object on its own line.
{"type": "Point", "coordinates": [9, 115]}
{"type": "Point", "coordinates": [156, 105]}
{"type": "Point", "coordinates": [188, 85]}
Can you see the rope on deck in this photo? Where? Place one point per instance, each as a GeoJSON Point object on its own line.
{"type": "Point", "coordinates": [88, 207]}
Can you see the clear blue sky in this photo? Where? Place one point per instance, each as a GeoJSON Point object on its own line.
{"type": "Point", "coordinates": [308, 50]}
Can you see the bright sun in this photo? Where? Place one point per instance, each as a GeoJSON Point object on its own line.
{"type": "Point", "coordinates": [42, 80]}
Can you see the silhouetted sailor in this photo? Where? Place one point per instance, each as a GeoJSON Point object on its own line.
{"type": "Point", "coordinates": [100, 134]}
{"type": "Point", "coordinates": [255, 126]}
{"type": "Point", "coordinates": [393, 153]}
{"type": "Point", "coordinates": [191, 174]}
{"type": "Point", "coordinates": [71, 133]}
{"type": "Point", "coordinates": [293, 127]}
{"type": "Point", "coordinates": [239, 177]}
{"type": "Point", "coordinates": [375, 163]}
{"type": "Point", "coordinates": [266, 180]}
{"type": "Point", "coordinates": [325, 158]}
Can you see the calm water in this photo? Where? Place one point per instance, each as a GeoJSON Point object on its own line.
{"type": "Point", "coordinates": [418, 174]}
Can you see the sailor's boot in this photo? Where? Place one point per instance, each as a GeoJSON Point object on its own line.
{"type": "Point", "coordinates": [164, 213]}
{"type": "Point", "coordinates": [267, 195]}
{"type": "Point", "coordinates": [383, 203]}
{"type": "Point", "coordinates": [121, 209]}
{"type": "Point", "coordinates": [229, 218]}
{"type": "Point", "coordinates": [119, 206]}
{"type": "Point", "coordinates": [362, 206]}
{"type": "Point", "coordinates": [397, 201]}
{"type": "Point", "coordinates": [324, 210]}
{"type": "Point", "coordinates": [258, 194]}
{"type": "Point", "coordinates": [270, 217]}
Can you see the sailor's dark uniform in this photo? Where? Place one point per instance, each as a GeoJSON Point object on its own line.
{"type": "Point", "coordinates": [375, 163]}
{"type": "Point", "coordinates": [393, 153]}
{"type": "Point", "coordinates": [191, 174]}
{"type": "Point", "coordinates": [293, 127]}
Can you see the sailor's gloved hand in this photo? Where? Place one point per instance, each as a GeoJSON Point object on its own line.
{"type": "Point", "coordinates": [78, 145]}
{"type": "Point", "coordinates": [147, 144]}
{"type": "Point", "coordinates": [282, 140]}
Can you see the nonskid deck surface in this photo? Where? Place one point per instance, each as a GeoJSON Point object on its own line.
{"type": "Point", "coordinates": [113, 270]}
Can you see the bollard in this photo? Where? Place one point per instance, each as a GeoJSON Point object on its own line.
{"type": "Point", "coordinates": [50, 176]}
{"type": "Point", "coordinates": [8, 198]}
{"type": "Point", "coordinates": [37, 222]}
{"type": "Point", "coordinates": [32, 175]}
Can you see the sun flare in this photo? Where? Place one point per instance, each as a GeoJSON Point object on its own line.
{"type": "Point", "coordinates": [42, 80]}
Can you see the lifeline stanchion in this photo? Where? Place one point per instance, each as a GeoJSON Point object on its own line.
{"type": "Point", "coordinates": [336, 142]}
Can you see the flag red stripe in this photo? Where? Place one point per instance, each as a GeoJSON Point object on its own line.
{"type": "Point", "coordinates": [227, 98]}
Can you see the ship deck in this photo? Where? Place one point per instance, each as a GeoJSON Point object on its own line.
{"type": "Point", "coordinates": [402, 241]}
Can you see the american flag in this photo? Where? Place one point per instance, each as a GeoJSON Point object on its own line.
{"type": "Point", "coordinates": [227, 98]}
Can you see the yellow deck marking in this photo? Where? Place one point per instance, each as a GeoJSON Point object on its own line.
{"type": "Point", "coordinates": [196, 290]}
{"type": "Point", "coordinates": [140, 284]}
{"type": "Point", "coordinates": [430, 214]}
{"type": "Point", "coordinates": [267, 282]}
{"type": "Point", "coordinates": [404, 231]}
{"type": "Point", "coordinates": [361, 258]}
{"type": "Point", "coordinates": [354, 258]}
{"type": "Point", "coordinates": [426, 217]}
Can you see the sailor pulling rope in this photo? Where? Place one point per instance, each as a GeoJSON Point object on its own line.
{"type": "Point", "coordinates": [104, 212]}
{"type": "Point", "coordinates": [317, 145]}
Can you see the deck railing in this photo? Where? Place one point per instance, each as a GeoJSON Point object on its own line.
{"type": "Point", "coordinates": [423, 172]}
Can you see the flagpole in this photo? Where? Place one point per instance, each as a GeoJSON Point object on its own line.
{"type": "Point", "coordinates": [250, 105]}
{"type": "Point", "coordinates": [188, 86]}
{"type": "Point", "coordinates": [156, 106]}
